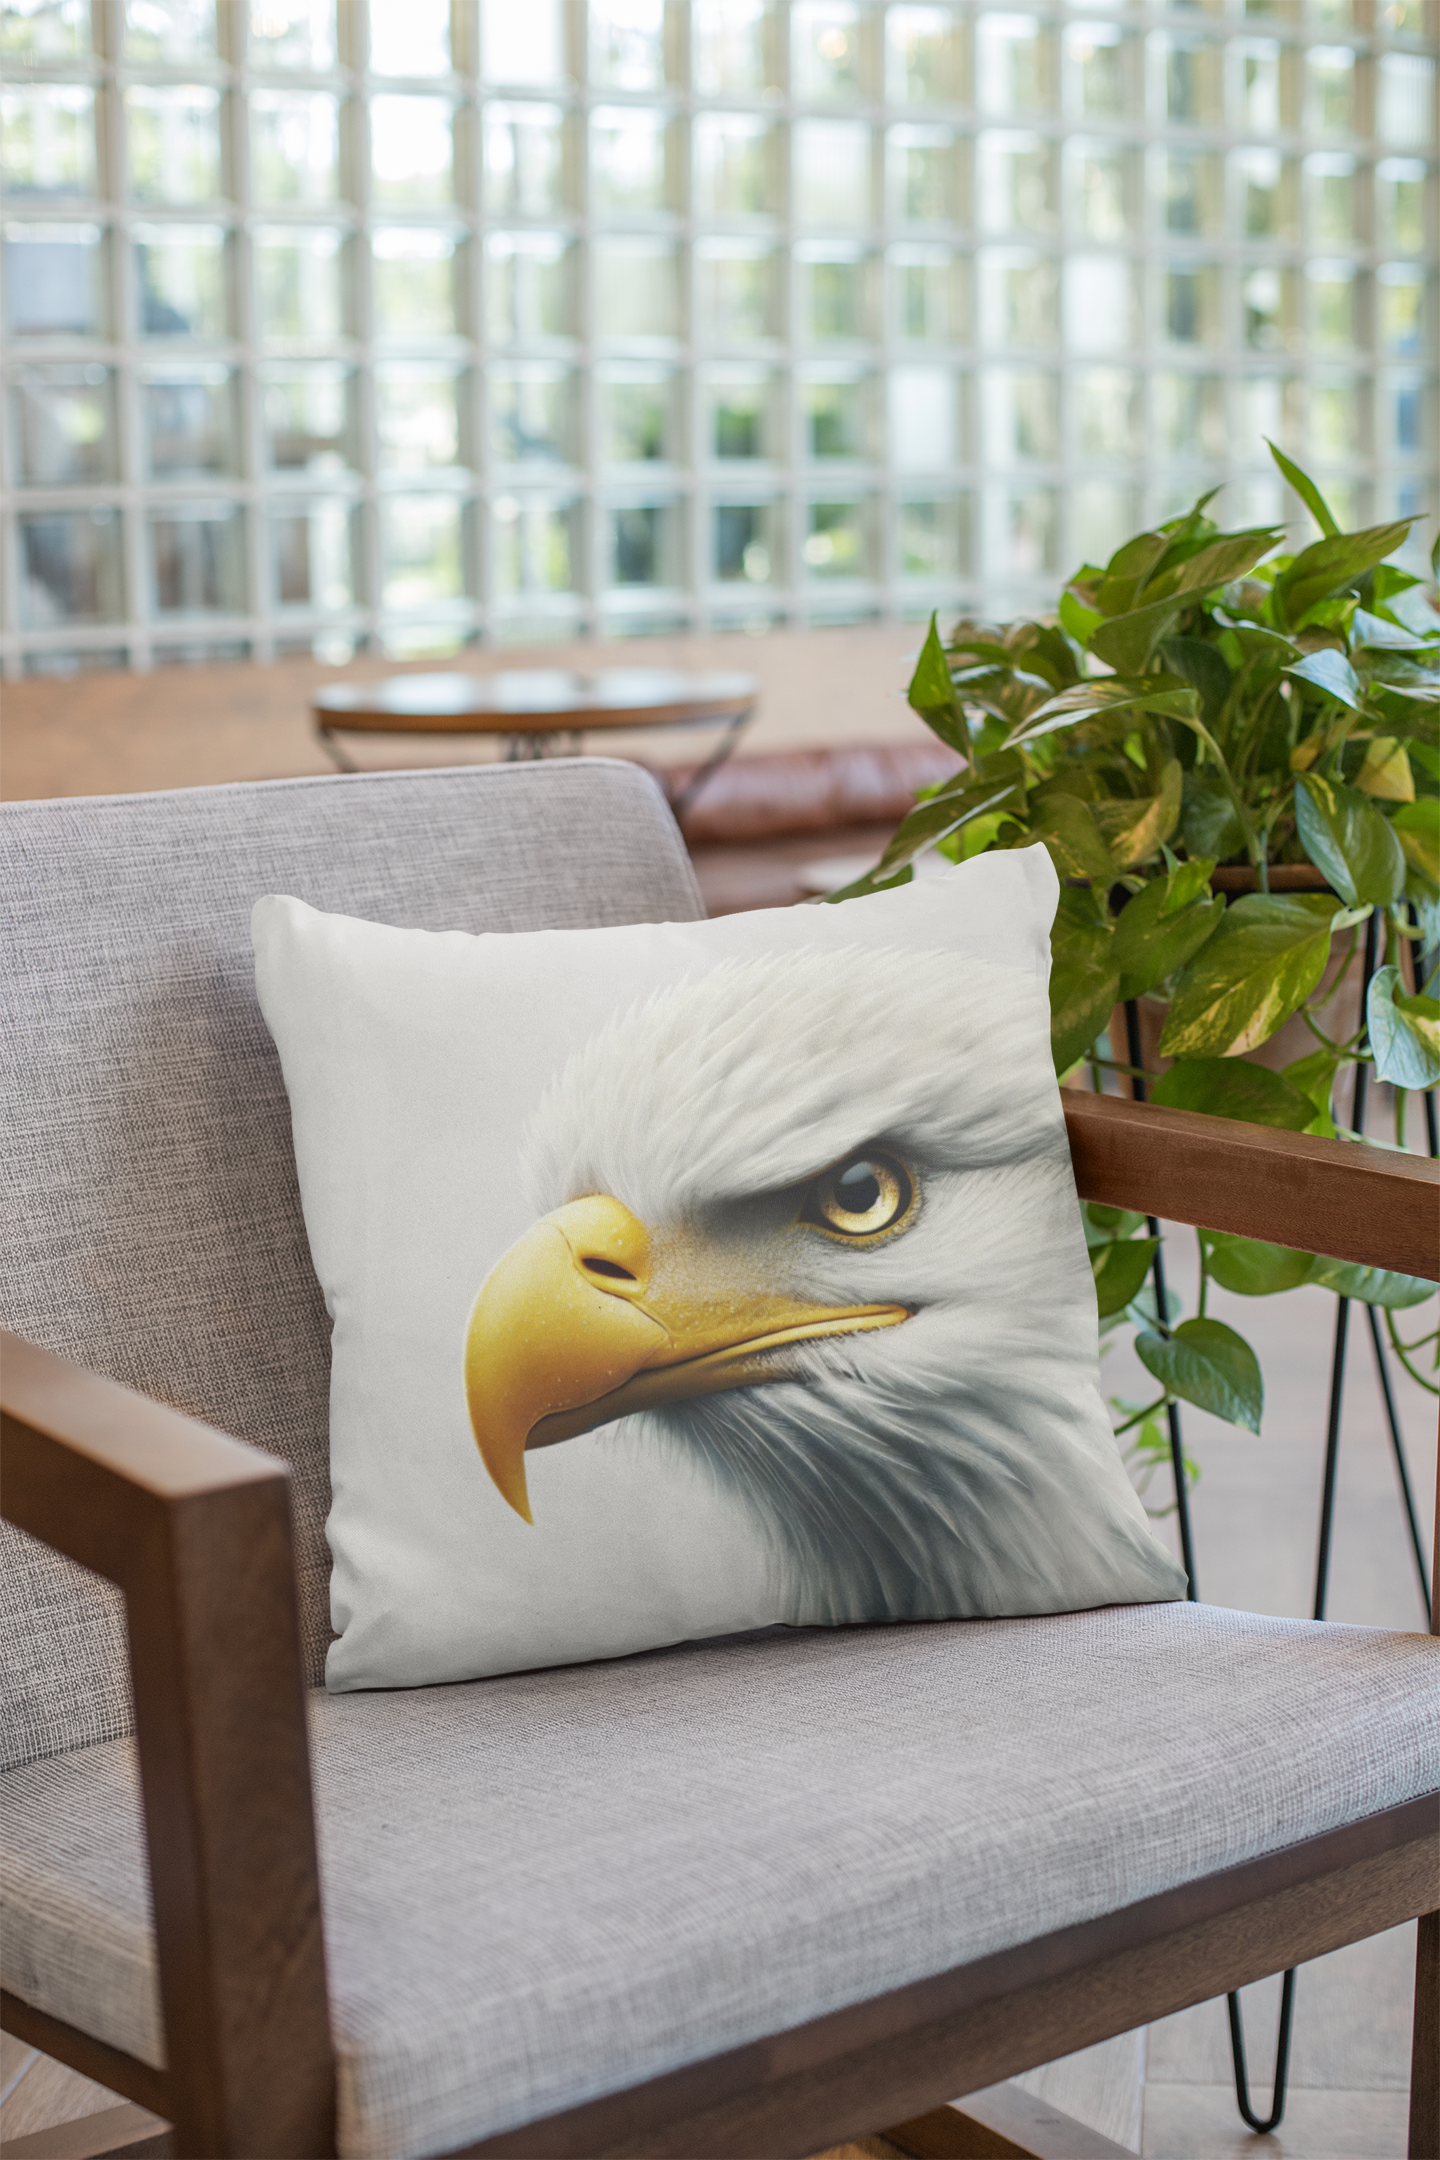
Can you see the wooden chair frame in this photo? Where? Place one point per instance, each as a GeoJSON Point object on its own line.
{"type": "Point", "coordinates": [194, 1527]}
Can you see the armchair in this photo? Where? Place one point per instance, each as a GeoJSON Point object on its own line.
{"type": "Point", "coordinates": [627, 1908]}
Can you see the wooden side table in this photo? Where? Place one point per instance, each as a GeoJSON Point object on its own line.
{"type": "Point", "coordinates": [537, 710]}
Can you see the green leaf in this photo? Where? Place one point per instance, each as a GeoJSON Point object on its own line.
{"type": "Point", "coordinates": [1233, 1088]}
{"type": "Point", "coordinates": [1253, 1269]}
{"type": "Point", "coordinates": [1371, 1285]}
{"type": "Point", "coordinates": [1083, 983]}
{"type": "Point", "coordinates": [1404, 1033]}
{"type": "Point", "coordinates": [932, 694]}
{"type": "Point", "coordinates": [1328, 566]}
{"type": "Point", "coordinates": [1120, 1269]}
{"type": "Point", "coordinates": [1104, 1224]}
{"type": "Point", "coordinates": [1134, 830]}
{"type": "Point", "coordinates": [1112, 695]}
{"type": "Point", "coordinates": [1068, 828]}
{"type": "Point", "coordinates": [1314, 1076]}
{"type": "Point", "coordinates": [1306, 489]}
{"type": "Point", "coordinates": [1208, 824]}
{"type": "Point", "coordinates": [1202, 664]}
{"type": "Point", "coordinates": [1351, 841]}
{"type": "Point", "coordinates": [1152, 942]}
{"type": "Point", "coordinates": [1264, 960]}
{"type": "Point", "coordinates": [1417, 827]}
{"type": "Point", "coordinates": [1225, 559]}
{"type": "Point", "coordinates": [1187, 881]}
{"type": "Point", "coordinates": [1331, 672]}
{"type": "Point", "coordinates": [1081, 621]}
{"type": "Point", "coordinates": [1208, 1364]}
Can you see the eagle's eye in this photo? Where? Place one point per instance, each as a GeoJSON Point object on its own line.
{"type": "Point", "coordinates": [863, 1198]}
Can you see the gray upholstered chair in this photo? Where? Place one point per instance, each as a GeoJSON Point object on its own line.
{"type": "Point", "coordinates": [746, 1897]}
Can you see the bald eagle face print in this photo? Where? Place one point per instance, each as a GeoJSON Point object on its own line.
{"type": "Point", "coordinates": [809, 1220]}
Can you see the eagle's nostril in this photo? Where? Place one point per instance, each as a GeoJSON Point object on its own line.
{"type": "Point", "coordinates": [597, 1266]}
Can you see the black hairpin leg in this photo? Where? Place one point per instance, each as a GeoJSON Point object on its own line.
{"type": "Point", "coordinates": [1417, 1543]}
{"type": "Point", "coordinates": [1282, 2059]}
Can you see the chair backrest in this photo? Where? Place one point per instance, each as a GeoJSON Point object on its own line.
{"type": "Point", "coordinates": [154, 1228]}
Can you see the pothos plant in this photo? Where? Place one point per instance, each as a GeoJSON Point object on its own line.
{"type": "Point", "coordinates": [1206, 700]}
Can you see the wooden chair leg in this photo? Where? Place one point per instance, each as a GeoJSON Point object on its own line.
{"type": "Point", "coordinates": [1002, 2123]}
{"type": "Point", "coordinates": [125, 2132]}
{"type": "Point", "coordinates": [1425, 2055]}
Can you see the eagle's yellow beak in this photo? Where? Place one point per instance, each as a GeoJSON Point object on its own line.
{"type": "Point", "coordinates": [587, 1317]}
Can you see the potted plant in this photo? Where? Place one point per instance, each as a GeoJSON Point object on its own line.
{"type": "Point", "coordinates": [1232, 754]}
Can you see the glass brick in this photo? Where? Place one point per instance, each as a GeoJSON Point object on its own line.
{"type": "Point", "coordinates": [1015, 182]}
{"type": "Point", "coordinates": [311, 556]}
{"type": "Point", "coordinates": [180, 276]}
{"type": "Point", "coordinates": [62, 422]}
{"type": "Point", "coordinates": [90, 659]}
{"type": "Point", "coordinates": [1330, 186]}
{"type": "Point", "coordinates": [1018, 296]}
{"type": "Point", "coordinates": [1100, 311]}
{"type": "Point", "coordinates": [921, 61]}
{"type": "Point", "coordinates": [1023, 540]}
{"type": "Point", "coordinates": [1256, 64]}
{"type": "Point", "coordinates": [422, 551]}
{"type": "Point", "coordinates": [40, 33]}
{"type": "Point", "coordinates": [1107, 414]}
{"type": "Point", "coordinates": [1099, 188]}
{"type": "Point", "coordinates": [197, 559]}
{"type": "Point", "coordinates": [1191, 303]}
{"type": "Point", "coordinates": [639, 415]}
{"type": "Point", "coordinates": [931, 537]}
{"type": "Point", "coordinates": [529, 286]}
{"type": "Point", "coordinates": [924, 410]}
{"type": "Point", "coordinates": [173, 135]}
{"type": "Point", "coordinates": [730, 41]}
{"type": "Point", "coordinates": [737, 291]}
{"type": "Point", "coordinates": [834, 416]}
{"type": "Point", "coordinates": [169, 31]}
{"type": "Point", "coordinates": [627, 44]}
{"type": "Point", "coordinates": [1188, 79]}
{"type": "Point", "coordinates": [746, 543]}
{"type": "Point", "coordinates": [1189, 189]}
{"type": "Point", "coordinates": [1335, 421]}
{"type": "Point", "coordinates": [833, 296]}
{"type": "Point", "coordinates": [70, 568]}
{"type": "Point", "coordinates": [832, 172]}
{"type": "Point", "coordinates": [1330, 305]}
{"type": "Point", "coordinates": [1399, 409]}
{"type": "Point", "coordinates": [292, 33]}
{"type": "Point", "coordinates": [1014, 64]}
{"type": "Point", "coordinates": [524, 160]}
{"type": "Point", "coordinates": [535, 540]}
{"type": "Point", "coordinates": [532, 415]}
{"type": "Point", "coordinates": [826, 59]}
{"type": "Point", "coordinates": [1330, 89]}
{"type": "Point", "coordinates": [189, 422]}
{"type": "Point", "coordinates": [294, 146]}
{"type": "Point", "coordinates": [1264, 192]}
{"type": "Point", "coordinates": [305, 414]}
{"type": "Point", "coordinates": [637, 289]}
{"type": "Point", "coordinates": [837, 540]}
{"type": "Point", "coordinates": [740, 413]}
{"type": "Point", "coordinates": [925, 295]}
{"type": "Point", "coordinates": [923, 175]}
{"type": "Point", "coordinates": [1267, 308]}
{"type": "Point", "coordinates": [1020, 415]}
{"type": "Point", "coordinates": [413, 282]}
{"type": "Point", "coordinates": [410, 37]}
{"type": "Point", "coordinates": [298, 281]}
{"type": "Point", "coordinates": [1404, 101]}
{"type": "Point", "coordinates": [412, 153]}
{"type": "Point", "coordinates": [47, 139]}
{"type": "Point", "coordinates": [1400, 204]}
{"type": "Point", "coordinates": [1269, 411]}
{"type": "Point", "coordinates": [1400, 304]}
{"type": "Point", "coordinates": [627, 159]}
{"type": "Point", "coordinates": [1100, 59]}
{"type": "Point", "coordinates": [522, 45]}
{"type": "Point", "coordinates": [734, 157]}
{"type": "Point", "coordinates": [643, 544]}
{"type": "Point", "coordinates": [55, 283]}
{"type": "Point", "coordinates": [1102, 518]}
{"type": "Point", "coordinates": [417, 416]}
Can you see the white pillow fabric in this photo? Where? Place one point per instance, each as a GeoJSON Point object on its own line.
{"type": "Point", "coordinates": [694, 1277]}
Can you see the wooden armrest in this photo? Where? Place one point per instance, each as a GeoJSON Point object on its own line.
{"type": "Point", "coordinates": [1337, 1197]}
{"type": "Point", "coordinates": [195, 1529]}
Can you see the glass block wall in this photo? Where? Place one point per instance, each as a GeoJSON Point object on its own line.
{"type": "Point", "coordinates": [409, 323]}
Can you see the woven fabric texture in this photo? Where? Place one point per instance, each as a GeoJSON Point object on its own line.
{"type": "Point", "coordinates": [552, 1885]}
{"type": "Point", "coordinates": [153, 1225]}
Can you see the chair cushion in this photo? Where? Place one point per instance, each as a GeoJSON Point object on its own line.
{"type": "Point", "coordinates": [153, 1229]}
{"type": "Point", "coordinates": [550, 1886]}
